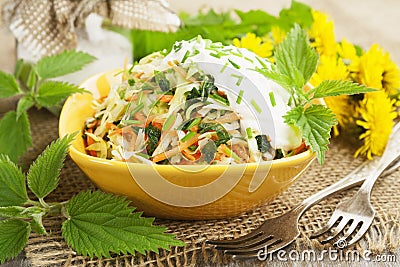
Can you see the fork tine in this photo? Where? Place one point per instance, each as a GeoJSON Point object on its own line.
{"type": "Point", "coordinates": [246, 244]}
{"type": "Point", "coordinates": [364, 228]}
{"type": "Point", "coordinates": [335, 231]}
{"type": "Point", "coordinates": [252, 250]}
{"type": "Point", "coordinates": [238, 240]}
{"type": "Point", "coordinates": [327, 226]}
{"type": "Point", "coordinates": [352, 228]}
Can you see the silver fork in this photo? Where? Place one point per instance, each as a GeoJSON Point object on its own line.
{"type": "Point", "coordinates": [357, 212]}
{"type": "Point", "coordinates": [278, 232]}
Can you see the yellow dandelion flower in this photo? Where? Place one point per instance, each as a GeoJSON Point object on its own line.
{"type": "Point", "coordinates": [371, 68]}
{"type": "Point", "coordinates": [255, 44]}
{"type": "Point", "coordinates": [348, 53]}
{"type": "Point", "coordinates": [322, 35]}
{"type": "Point", "coordinates": [391, 76]}
{"type": "Point", "coordinates": [332, 68]}
{"type": "Point", "coordinates": [277, 35]}
{"type": "Point", "coordinates": [377, 113]}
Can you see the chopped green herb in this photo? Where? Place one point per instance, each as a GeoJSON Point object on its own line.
{"type": "Point", "coordinates": [261, 62]}
{"type": "Point", "coordinates": [263, 144]}
{"type": "Point", "coordinates": [193, 123]}
{"type": "Point", "coordinates": [249, 59]}
{"type": "Point", "coordinates": [188, 136]}
{"type": "Point", "coordinates": [143, 155]}
{"type": "Point", "coordinates": [249, 133]}
{"type": "Point", "coordinates": [138, 108]}
{"type": "Point", "coordinates": [131, 82]}
{"type": "Point", "coordinates": [162, 81]}
{"type": "Point", "coordinates": [256, 106]}
{"type": "Point", "coordinates": [234, 64]}
{"type": "Point", "coordinates": [232, 154]}
{"type": "Point", "coordinates": [153, 136]}
{"type": "Point", "coordinates": [272, 99]}
{"type": "Point", "coordinates": [240, 97]}
{"type": "Point", "coordinates": [215, 55]}
{"type": "Point", "coordinates": [224, 67]}
{"type": "Point", "coordinates": [220, 99]}
{"type": "Point", "coordinates": [185, 56]}
{"type": "Point", "coordinates": [177, 46]}
{"type": "Point", "coordinates": [168, 122]}
{"type": "Point", "coordinates": [239, 77]}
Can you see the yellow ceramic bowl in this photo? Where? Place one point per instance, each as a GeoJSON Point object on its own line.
{"type": "Point", "coordinates": [187, 192]}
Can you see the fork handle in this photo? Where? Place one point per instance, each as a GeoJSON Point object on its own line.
{"type": "Point", "coordinates": [356, 177]}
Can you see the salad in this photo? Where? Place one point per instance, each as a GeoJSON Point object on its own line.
{"type": "Point", "coordinates": [169, 109]}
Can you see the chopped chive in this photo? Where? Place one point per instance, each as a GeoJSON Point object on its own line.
{"type": "Point", "coordinates": [215, 55]}
{"type": "Point", "coordinates": [193, 147]}
{"type": "Point", "coordinates": [129, 122]}
{"type": "Point", "coordinates": [224, 67]}
{"type": "Point", "coordinates": [249, 59]}
{"type": "Point", "coordinates": [155, 103]}
{"type": "Point", "coordinates": [193, 123]}
{"type": "Point", "coordinates": [140, 96]}
{"type": "Point", "coordinates": [138, 108]}
{"type": "Point", "coordinates": [240, 97]}
{"type": "Point", "coordinates": [272, 98]}
{"type": "Point", "coordinates": [188, 136]}
{"type": "Point", "coordinates": [256, 107]}
{"type": "Point", "coordinates": [177, 47]}
{"type": "Point", "coordinates": [232, 154]}
{"type": "Point", "coordinates": [143, 155]}
{"type": "Point", "coordinates": [220, 99]}
{"type": "Point", "coordinates": [185, 56]}
{"type": "Point", "coordinates": [249, 133]}
{"type": "Point", "coordinates": [236, 54]}
{"type": "Point", "coordinates": [168, 123]}
{"type": "Point", "coordinates": [240, 79]}
{"type": "Point", "coordinates": [261, 62]}
{"type": "Point", "coordinates": [234, 64]}
{"type": "Point", "coordinates": [131, 68]}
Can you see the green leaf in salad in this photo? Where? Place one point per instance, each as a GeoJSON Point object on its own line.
{"type": "Point", "coordinates": [8, 85]}
{"type": "Point", "coordinates": [13, 237]}
{"type": "Point", "coordinates": [15, 135]}
{"type": "Point", "coordinates": [315, 123]}
{"type": "Point", "coordinates": [64, 63]}
{"type": "Point", "coordinates": [153, 137]}
{"type": "Point", "coordinates": [338, 87]}
{"type": "Point", "coordinates": [43, 175]}
{"type": "Point", "coordinates": [99, 224]}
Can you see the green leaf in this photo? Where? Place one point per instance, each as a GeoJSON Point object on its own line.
{"type": "Point", "coordinates": [277, 77]}
{"type": "Point", "coordinates": [25, 103]}
{"type": "Point", "coordinates": [297, 13]}
{"type": "Point", "coordinates": [13, 237]}
{"type": "Point", "coordinates": [43, 175]}
{"type": "Point", "coordinates": [8, 85]}
{"type": "Point", "coordinates": [64, 63]}
{"type": "Point", "coordinates": [334, 88]}
{"type": "Point", "coordinates": [52, 93]}
{"type": "Point", "coordinates": [315, 124]}
{"type": "Point", "coordinates": [295, 58]}
{"type": "Point", "coordinates": [37, 225]}
{"type": "Point", "coordinates": [15, 135]}
{"type": "Point", "coordinates": [99, 224]}
{"type": "Point", "coordinates": [13, 212]}
{"type": "Point", "coordinates": [12, 184]}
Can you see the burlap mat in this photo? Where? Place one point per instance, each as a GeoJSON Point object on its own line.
{"type": "Point", "coordinates": [383, 236]}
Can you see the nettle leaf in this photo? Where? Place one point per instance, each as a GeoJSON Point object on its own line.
{"type": "Point", "coordinates": [14, 234]}
{"type": "Point", "coordinates": [25, 103]}
{"type": "Point", "coordinates": [12, 184]}
{"type": "Point", "coordinates": [99, 224]}
{"type": "Point", "coordinates": [338, 87]}
{"type": "Point", "coordinates": [277, 77]}
{"type": "Point", "coordinates": [37, 225]}
{"type": "Point", "coordinates": [52, 93]}
{"type": "Point", "coordinates": [43, 175]}
{"type": "Point", "coordinates": [15, 135]}
{"type": "Point", "coordinates": [8, 85]}
{"type": "Point", "coordinates": [64, 63]}
{"type": "Point", "coordinates": [295, 58]}
{"type": "Point", "coordinates": [13, 212]}
{"type": "Point", "coordinates": [315, 123]}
